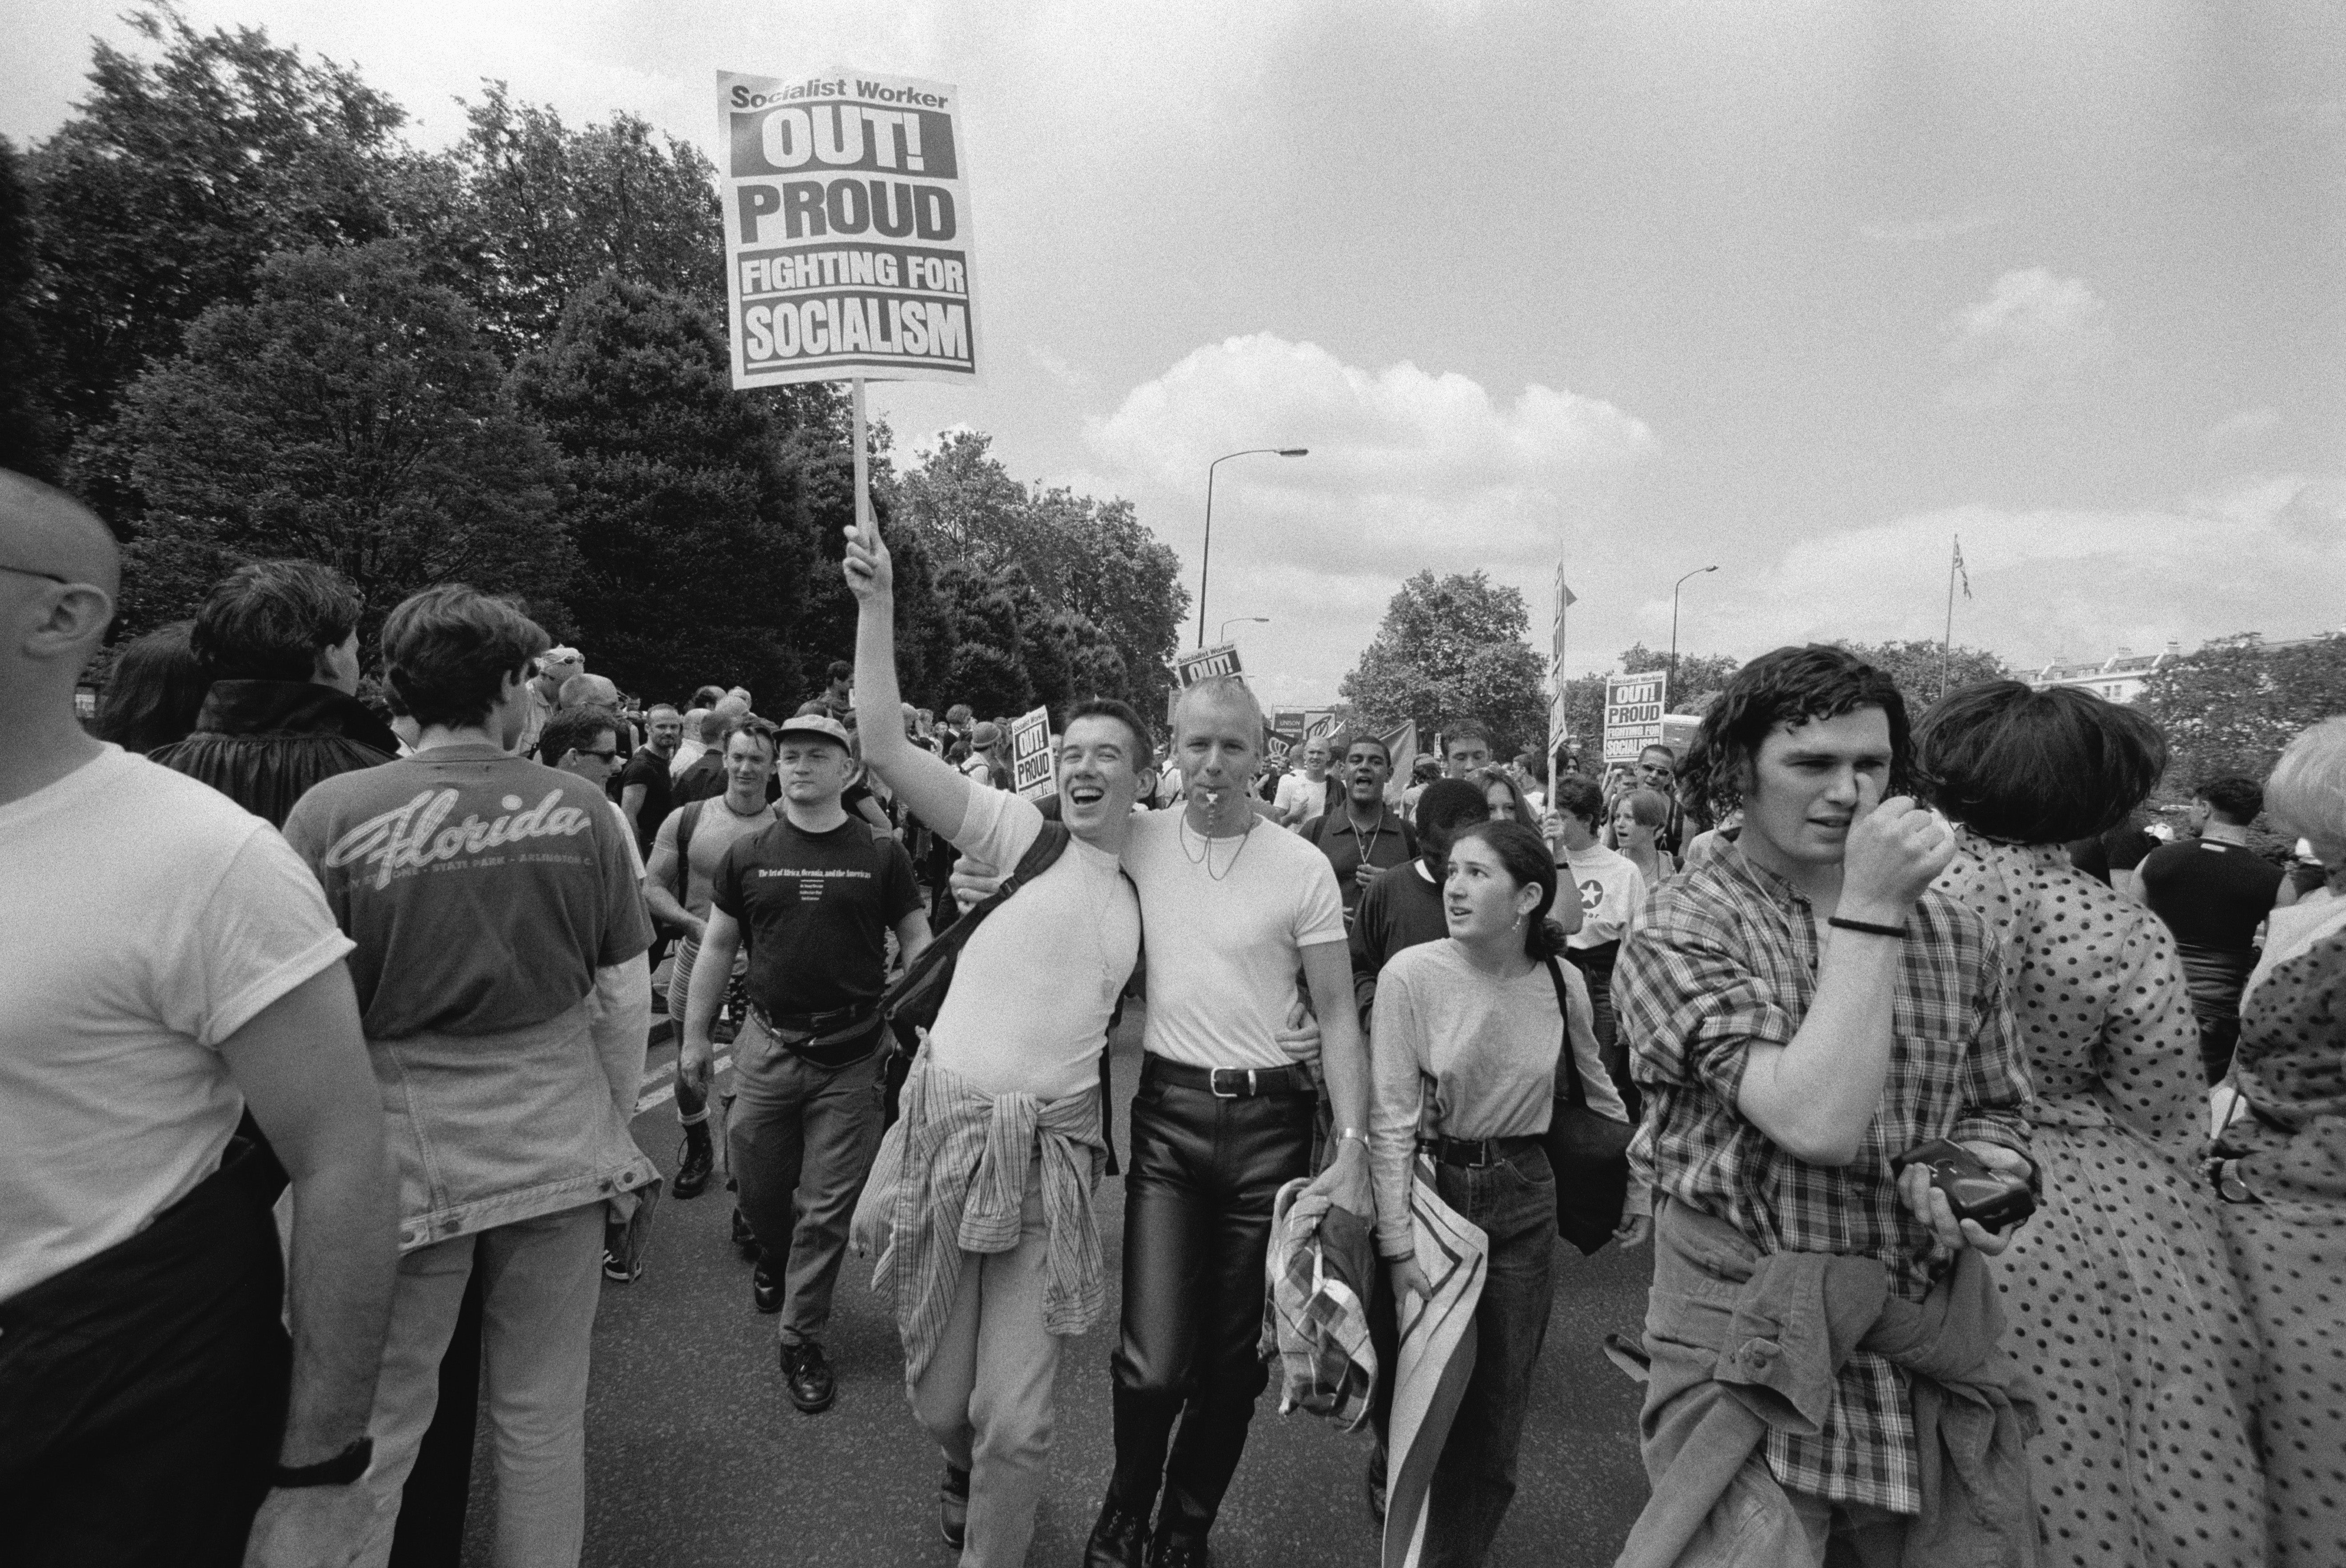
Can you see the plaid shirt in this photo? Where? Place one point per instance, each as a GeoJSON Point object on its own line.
{"type": "Point", "coordinates": [1725, 958]}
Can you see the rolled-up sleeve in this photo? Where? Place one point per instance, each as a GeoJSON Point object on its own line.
{"type": "Point", "coordinates": [1691, 1008]}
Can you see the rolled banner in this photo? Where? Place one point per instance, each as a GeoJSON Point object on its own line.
{"type": "Point", "coordinates": [1435, 1359]}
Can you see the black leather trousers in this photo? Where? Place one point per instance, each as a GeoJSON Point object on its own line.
{"type": "Point", "coordinates": [1197, 1224]}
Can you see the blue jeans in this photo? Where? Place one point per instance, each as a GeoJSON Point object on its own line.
{"type": "Point", "coordinates": [1514, 1202]}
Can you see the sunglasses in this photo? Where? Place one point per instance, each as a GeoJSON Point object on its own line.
{"type": "Point", "coordinates": [610, 755]}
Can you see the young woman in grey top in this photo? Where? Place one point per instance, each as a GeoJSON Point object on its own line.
{"type": "Point", "coordinates": [1467, 1038]}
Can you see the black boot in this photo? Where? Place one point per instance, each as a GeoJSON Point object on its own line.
{"type": "Point", "coordinates": [952, 1507]}
{"type": "Point", "coordinates": [696, 1162]}
{"type": "Point", "coordinates": [1116, 1538]}
{"type": "Point", "coordinates": [1178, 1549]}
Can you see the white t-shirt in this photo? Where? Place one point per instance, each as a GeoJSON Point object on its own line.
{"type": "Point", "coordinates": [1228, 922]}
{"type": "Point", "coordinates": [1033, 991]}
{"type": "Point", "coordinates": [1295, 789]}
{"type": "Point", "coordinates": [1612, 889]}
{"type": "Point", "coordinates": [148, 919]}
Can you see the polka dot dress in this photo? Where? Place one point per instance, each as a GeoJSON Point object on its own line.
{"type": "Point", "coordinates": [2290, 1249]}
{"type": "Point", "coordinates": [2117, 1294]}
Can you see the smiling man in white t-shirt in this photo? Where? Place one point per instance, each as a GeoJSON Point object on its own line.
{"type": "Point", "coordinates": [165, 963]}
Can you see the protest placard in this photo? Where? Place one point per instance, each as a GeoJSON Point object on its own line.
{"type": "Point", "coordinates": [1189, 669]}
{"type": "Point", "coordinates": [1633, 713]}
{"type": "Point", "coordinates": [846, 218]}
{"type": "Point", "coordinates": [1030, 755]}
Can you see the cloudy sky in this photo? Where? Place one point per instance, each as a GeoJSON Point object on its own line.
{"type": "Point", "coordinates": [1803, 289]}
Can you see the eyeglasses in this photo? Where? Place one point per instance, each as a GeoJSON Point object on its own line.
{"type": "Point", "coordinates": [32, 572]}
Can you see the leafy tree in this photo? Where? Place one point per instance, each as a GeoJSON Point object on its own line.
{"type": "Point", "coordinates": [176, 177]}
{"type": "Point", "coordinates": [351, 415]}
{"type": "Point", "coordinates": [1451, 649]}
{"type": "Point", "coordinates": [523, 214]}
{"type": "Point", "coordinates": [1698, 676]}
{"type": "Point", "coordinates": [2233, 705]}
{"type": "Point", "coordinates": [693, 540]}
{"type": "Point", "coordinates": [27, 435]}
{"type": "Point", "coordinates": [1914, 666]}
{"type": "Point", "coordinates": [1090, 561]}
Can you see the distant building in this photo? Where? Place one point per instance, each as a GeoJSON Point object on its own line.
{"type": "Point", "coordinates": [2118, 678]}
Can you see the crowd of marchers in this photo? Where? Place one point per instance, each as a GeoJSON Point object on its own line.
{"type": "Point", "coordinates": [1992, 1161]}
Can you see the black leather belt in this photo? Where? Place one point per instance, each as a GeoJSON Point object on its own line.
{"type": "Point", "coordinates": [830, 1039]}
{"type": "Point", "coordinates": [1477, 1152]}
{"type": "Point", "coordinates": [1230, 1083]}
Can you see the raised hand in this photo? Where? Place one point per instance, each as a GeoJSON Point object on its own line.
{"type": "Point", "coordinates": [1895, 850]}
{"type": "Point", "coordinates": [871, 570]}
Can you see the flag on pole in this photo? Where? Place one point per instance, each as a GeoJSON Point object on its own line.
{"type": "Point", "coordinates": [1967, 577]}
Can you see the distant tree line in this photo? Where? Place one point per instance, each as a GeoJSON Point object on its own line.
{"type": "Point", "coordinates": [240, 315]}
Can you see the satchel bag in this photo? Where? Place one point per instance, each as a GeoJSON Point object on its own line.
{"type": "Point", "coordinates": [1589, 1153]}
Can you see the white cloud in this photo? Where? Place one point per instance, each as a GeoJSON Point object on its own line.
{"type": "Point", "coordinates": [2243, 429]}
{"type": "Point", "coordinates": [1409, 470]}
{"type": "Point", "coordinates": [2056, 583]}
{"type": "Point", "coordinates": [2026, 341]}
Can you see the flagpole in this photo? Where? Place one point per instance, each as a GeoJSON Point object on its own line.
{"type": "Point", "coordinates": [1947, 641]}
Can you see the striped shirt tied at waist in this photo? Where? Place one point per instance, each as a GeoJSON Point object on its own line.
{"type": "Point", "coordinates": [967, 1156]}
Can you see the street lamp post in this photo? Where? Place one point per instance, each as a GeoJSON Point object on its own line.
{"type": "Point", "coordinates": [1673, 677]}
{"type": "Point", "coordinates": [1223, 634]}
{"type": "Point", "coordinates": [1205, 555]}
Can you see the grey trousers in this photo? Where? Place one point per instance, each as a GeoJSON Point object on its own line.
{"type": "Point", "coordinates": [803, 1138]}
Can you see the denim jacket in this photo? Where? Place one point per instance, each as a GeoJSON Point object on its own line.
{"type": "Point", "coordinates": [493, 1129]}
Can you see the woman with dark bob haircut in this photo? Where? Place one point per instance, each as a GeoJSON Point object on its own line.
{"type": "Point", "coordinates": [154, 691]}
{"type": "Point", "coordinates": [2117, 1292]}
{"type": "Point", "coordinates": [1469, 1035]}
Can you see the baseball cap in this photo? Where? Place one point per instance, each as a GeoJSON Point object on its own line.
{"type": "Point", "coordinates": [820, 724]}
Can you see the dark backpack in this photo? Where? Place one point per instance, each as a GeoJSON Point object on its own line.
{"type": "Point", "coordinates": [913, 1002]}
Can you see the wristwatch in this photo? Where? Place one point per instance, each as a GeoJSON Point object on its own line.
{"type": "Point", "coordinates": [340, 1471]}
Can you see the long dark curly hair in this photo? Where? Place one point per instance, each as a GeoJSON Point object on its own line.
{"type": "Point", "coordinates": [1790, 686]}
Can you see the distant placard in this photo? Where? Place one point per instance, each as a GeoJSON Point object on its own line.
{"type": "Point", "coordinates": [1030, 755]}
{"type": "Point", "coordinates": [1633, 713]}
{"type": "Point", "coordinates": [1222, 658]}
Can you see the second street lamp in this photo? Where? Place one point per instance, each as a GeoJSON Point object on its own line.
{"type": "Point", "coordinates": [1205, 555]}
{"type": "Point", "coordinates": [1672, 679]}
{"type": "Point", "coordinates": [1223, 634]}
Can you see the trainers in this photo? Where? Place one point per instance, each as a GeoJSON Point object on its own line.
{"type": "Point", "coordinates": [807, 1375]}
{"type": "Point", "coordinates": [765, 1291]}
{"type": "Point", "coordinates": [615, 1266]}
{"type": "Point", "coordinates": [952, 1507]}
{"type": "Point", "coordinates": [744, 1240]}
{"type": "Point", "coordinates": [695, 1164]}
{"type": "Point", "coordinates": [1116, 1540]}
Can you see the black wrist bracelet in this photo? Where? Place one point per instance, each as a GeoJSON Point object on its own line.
{"type": "Point", "coordinates": [1867, 926]}
{"type": "Point", "coordinates": [339, 1470]}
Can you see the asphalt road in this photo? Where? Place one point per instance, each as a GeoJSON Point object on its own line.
{"type": "Point", "coordinates": [696, 1459]}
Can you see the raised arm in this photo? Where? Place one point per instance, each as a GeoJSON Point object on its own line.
{"type": "Point", "coordinates": [930, 786]}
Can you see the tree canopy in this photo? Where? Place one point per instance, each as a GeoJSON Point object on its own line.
{"type": "Point", "coordinates": [2234, 705]}
{"type": "Point", "coordinates": [1451, 649]}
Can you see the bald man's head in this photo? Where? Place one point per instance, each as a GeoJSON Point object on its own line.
{"type": "Point", "coordinates": [47, 533]}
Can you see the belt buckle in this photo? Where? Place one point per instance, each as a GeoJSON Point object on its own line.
{"type": "Point", "coordinates": [1214, 1083]}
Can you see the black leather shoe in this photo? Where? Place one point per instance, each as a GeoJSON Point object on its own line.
{"type": "Point", "coordinates": [1116, 1538]}
{"type": "Point", "coordinates": [952, 1507]}
{"type": "Point", "coordinates": [695, 1164]}
{"type": "Point", "coordinates": [765, 1291]}
{"type": "Point", "coordinates": [1171, 1549]}
{"type": "Point", "coordinates": [744, 1240]}
{"type": "Point", "coordinates": [808, 1376]}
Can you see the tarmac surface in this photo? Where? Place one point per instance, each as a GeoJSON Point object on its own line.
{"type": "Point", "coordinates": [696, 1459]}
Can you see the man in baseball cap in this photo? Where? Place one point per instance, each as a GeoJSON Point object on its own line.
{"type": "Point", "coordinates": [819, 892]}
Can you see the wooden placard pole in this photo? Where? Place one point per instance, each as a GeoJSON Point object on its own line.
{"type": "Point", "coordinates": [862, 469]}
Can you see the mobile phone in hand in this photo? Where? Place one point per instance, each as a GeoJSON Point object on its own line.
{"type": "Point", "coordinates": [1975, 1190]}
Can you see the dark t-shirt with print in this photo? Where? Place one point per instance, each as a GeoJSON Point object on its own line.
{"type": "Point", "coordinates": [649, 769]}
{"type": "Point", "coordinates": [2211, 894]}
{"type": "Point", "coordinates": [816, 909]}
{"type": "Point", "coordinates": [483, 891]}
